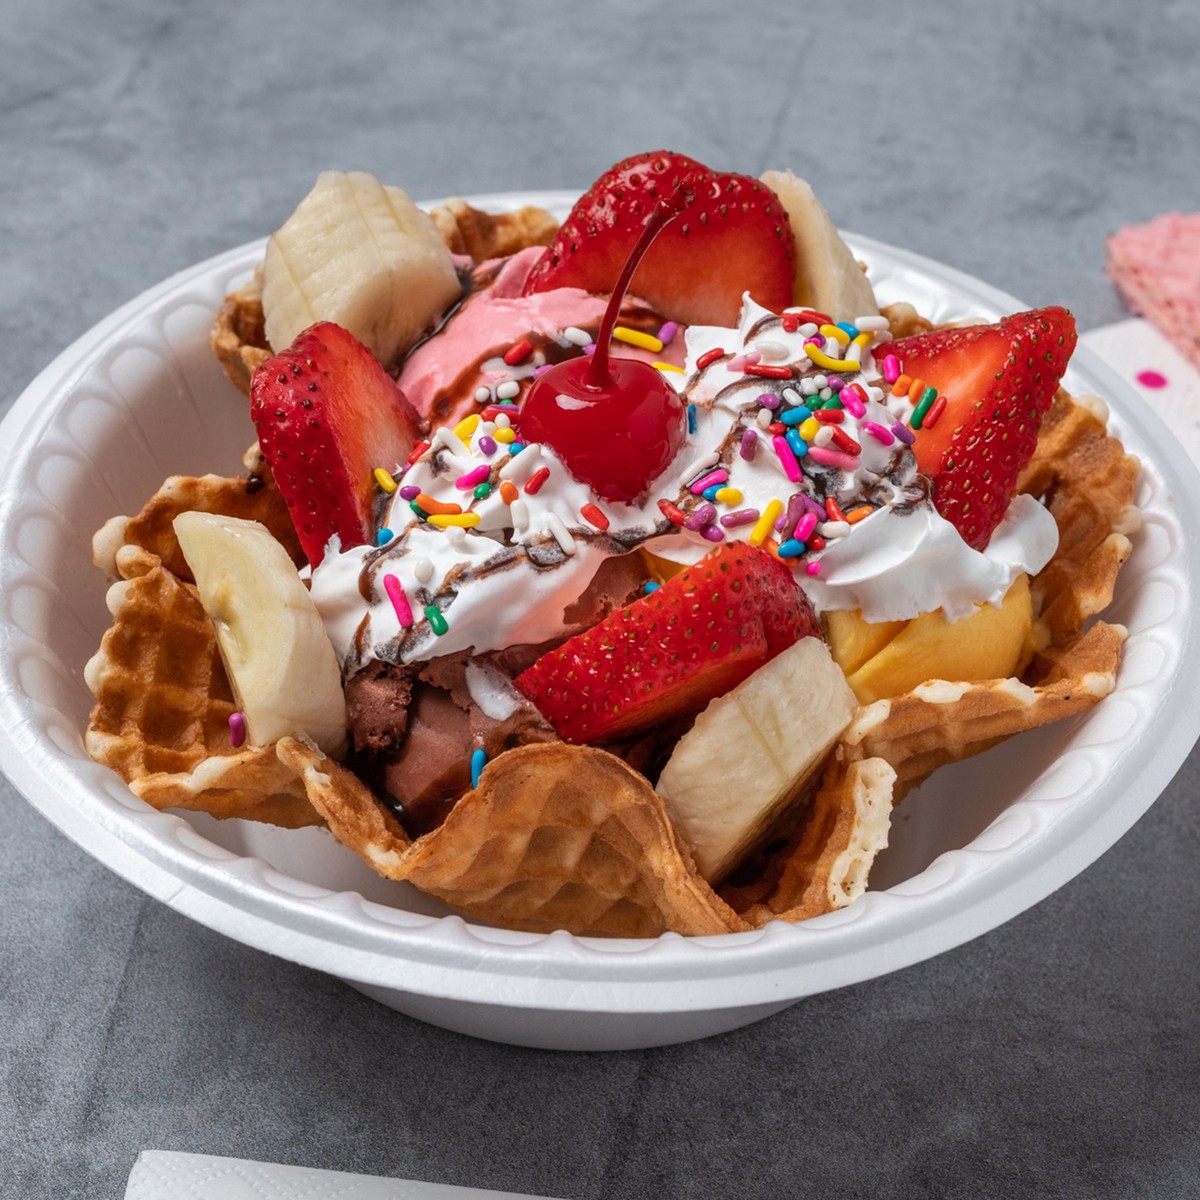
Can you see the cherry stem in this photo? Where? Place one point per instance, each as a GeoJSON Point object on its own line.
{"type": "Point", "coordinates": [664, 212]}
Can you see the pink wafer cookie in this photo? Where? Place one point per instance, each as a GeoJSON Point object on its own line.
{"type": "Point", "coordinates": [1156, 267]}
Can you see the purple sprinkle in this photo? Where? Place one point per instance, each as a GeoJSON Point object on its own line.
{"type": "Point", "coordinates": [538, 372]}
{"type": "Point", "coordinates": [749, 445]}
{"type": "Point", "coordinates": [817, 341]}
{"type": "Point", "coordinates": [237, 729]}
{"type": "Point", "coordinates": [834, 383]}
{"type": "Point", "coordinates": [903, 432]}
{"type": "Point", "coordinates": [487, 445]}
{"type": "Point", "coordinates": [409, 491]}
{"type": "Point", "coordinates": [667, 333]}
{"type": "Point", "coordinates": [814, 507]}
{"type": "Point", "coordinates": [769, 400]}
{"type": "Point", "coordinates": [713, 533]}
{"type": "Point", "coordinates": [791, 514]}
{"type": "Point", "coordinates": [742, 516]}
{"type": "Point", "coordinates": [590, 348]}
{"type": "Point", "coordinates": [704, 515]}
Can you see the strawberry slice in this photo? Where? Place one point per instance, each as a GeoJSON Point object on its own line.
{"type": "Point", "coordinates": [327, 416]}
{"type": "Point", "coordinates": [998, 381]}
{"type": "Point", "coordinates": [671, 652]}
{"type": "Point", "coordinates": [733, 237]}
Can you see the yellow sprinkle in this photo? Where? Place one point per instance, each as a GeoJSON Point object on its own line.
{"type": "Point", "coordinates": [466, 426]}
{"type": "Point", "coordinates": [808, 429]}
{"type": "Point", "coordinates": [385, 480]}
{"type": "Point", "coordinates": [766, 522]}
{"type": "Point", "coordinates": [729, 495]}
{"type": "Point", "coordinates": [665, 366]}
{"type": "Point", "coordinates": [832, 331]}
{"type": "Point", "coordinates": [831, 364]}
{"type": "Point", "coordinates": [864, 339]}
{"type": "Point", "coordinates": [504, 433]}
{"type": "Point", "coordinates": [442, 520]}
{"type": "Point", "coordinates": [634, 337]}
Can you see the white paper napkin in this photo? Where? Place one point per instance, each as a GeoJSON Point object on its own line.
{"type": "Point", "coordinates": [166, 1175]}
{"type": "Point", "coordinates": [1167, 382]}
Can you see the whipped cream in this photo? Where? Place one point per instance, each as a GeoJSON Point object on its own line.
{"type": "Point", "coordinates": [537, 535]}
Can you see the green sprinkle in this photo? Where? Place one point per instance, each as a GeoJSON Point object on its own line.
{"type": "Point", "coordinates": [422, 515]}
{"type": "Point", "coordinates": [483, 491]}
{"type": "Point", "coordinates": [437, 622]}
{"type": "Point", "coordinates": [928, 396]}
{"type": "Point", "coordinates": [832, 402]}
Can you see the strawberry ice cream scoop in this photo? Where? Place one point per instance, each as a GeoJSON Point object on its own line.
{"type": "Point", "coordinates": [498, 337]}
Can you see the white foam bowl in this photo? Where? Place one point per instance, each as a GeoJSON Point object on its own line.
{"type": "Point", "coordinates": [141, 397]}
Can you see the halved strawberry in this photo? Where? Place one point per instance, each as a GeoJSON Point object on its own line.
{"type": "Point", "coordinates": [734, 237]}
{"type": "Point", "coordinates": [671, 652]}
{"type": "Point", "coordinates": [327, 415]}
{"type": "Point", "coordinates": [998, 381]}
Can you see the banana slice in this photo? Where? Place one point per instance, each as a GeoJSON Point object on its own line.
{"type": "Point", "coordinates": [752, 751]}
{"type": "Point", "coordinates": [361, 255]}
{"type": "Point", "coordinates": [827, 276]}
{"type": "Point", "coordinates": [280, 661]}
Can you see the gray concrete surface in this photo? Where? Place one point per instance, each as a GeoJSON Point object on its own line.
{"type": "Point", "coordinates": [1057, 1056]}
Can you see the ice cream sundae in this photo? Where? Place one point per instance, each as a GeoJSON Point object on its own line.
{"type": "Point", "coordinates": [618, 577]}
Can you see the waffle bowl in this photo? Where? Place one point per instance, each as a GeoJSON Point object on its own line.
{"type": "Point", "coordinates": [106, 423]}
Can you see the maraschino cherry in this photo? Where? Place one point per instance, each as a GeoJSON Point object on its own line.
{"type": "Point", "coordinates": [615, 422]}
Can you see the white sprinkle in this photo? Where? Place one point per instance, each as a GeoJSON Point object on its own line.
{"type": "Point", "coordinates": [770, 350]}
{"type": "Point", "coordinates": [510, 389]}
{"type": "Point", "coordinates": [826, 393]}
{"type": "Point", "coordinates": [832, 530]}
{"type": "Point", "coordinates": [764, 418]}
{"type": "Point", "coordinates": [791, 396]}
{"type": "Point", "coordinates": [423, 570]}
{"type": "Point", "coordinates": [577, 336]}
{"type": "Point", "coordinates": [808, 386]}
{"type": "Point", "coordinates": [520, 515]}
{"type": "Point", "coordinates": [521, 466]}
{"type": "Point", "coordinates": [807, 329]}
{"type": "Point", "coordinates": [824, 436]}
{"type": "Point", "coordinates": [503, 421]}
{"type": "Point", "coordinates": [870, 324]}
{"type": "Point", "coordinates": [820, 380]}
{"type": "Point", "coordinates": [445, 436]}
{"type": "Point", "coordinates": [700, 466]}
{"type": "Point", "coordinates": [854, 352]}
{"type": "Point", "coordinates": [456, 535]}
{"type": "Point", "coordinates": [884, 335]}
{"type": "Point", "coordinates": [562, 535]}
{"type": "Point", "coordinates": [482, 395]}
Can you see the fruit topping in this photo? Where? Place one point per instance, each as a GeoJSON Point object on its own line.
{"type": "Point", "coordinates": [670, 652]}
{"type": "Point", "coordinates": [734, 237]}
{"type": "Point", "coordinates": [615, 422]}
{"type": "Point", "coordinates": [363, 256]}
{"type": "Point", "coordinates": [996, 381]}
{"type": "Point", "coordinates": [328, 416]}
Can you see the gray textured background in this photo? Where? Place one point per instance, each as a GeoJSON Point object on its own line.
{"type": "Point", "coordinates": [1057, 1056]}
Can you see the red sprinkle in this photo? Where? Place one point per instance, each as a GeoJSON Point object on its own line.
{"type": "Point", "coordinates": [776, 427]}
{"type": "Point", "coordinates": [767, 370]}
{"type": "Point", "coordinates": [417, 451]}
{"type": "Point", "coordinates": [834, 509]}
{"type": "Point", "coordinates": [534, 483]}
{"type": "Point", "coordinates": [494, 410]}
{"type": "Point", "coordinates": [843, 441]}
{"type": "Point", "coordinates": [790, 322]}
{"type": "Point", "coordinates": [591, 514]}
{"type": "Point", "coordinates": [518, 352]}
{"type": "Point", "coordinates": [936, 409]}
{"type": "Point", "coordinates": [673, 514]}
{"type": "Point", "coordinates": [709, 357]}
{"type": "Point", "coordinates": [830, 416]}
{"type": "Point", "coordinates": [816, 542]}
